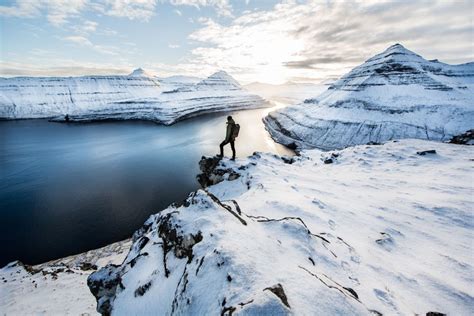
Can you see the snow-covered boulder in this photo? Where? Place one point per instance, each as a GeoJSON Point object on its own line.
{"type": "Point", "coordinates": [357, 236]}
{"type": "Point", "coordinates": [137, 96]}
{"type": "Point", "coordinates": [393, 95]}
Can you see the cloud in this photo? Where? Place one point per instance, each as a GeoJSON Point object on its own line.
{"type": "Point", "coordinates": [59, 68]}
{"type": "Point", "coordinates": [173, 45]}
{"type": "Point", "coordinates": [21, 9]}
{"type": "Point", "coordinates": [58, 11]}
{"type": "Point", "coordinates": [81, 40]}
{"type": "Point", "coordinates": [321, 39]}
{"type": "Point", "coordinates": [178, 12]}
{"type": "Point", "coordinates": [85, 42]}
{"type": "Point", "coordinates": [85, 27]}
{"type": "Point", "coordinates": [222, 7]}
{"type": "Point", "coordinates": [131, 9]}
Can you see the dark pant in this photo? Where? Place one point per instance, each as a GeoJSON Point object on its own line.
{"type": "Point", "coordinates": [225, 142]}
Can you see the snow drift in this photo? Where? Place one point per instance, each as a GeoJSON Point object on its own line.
{"type": "Point", "coordinates": [137, 96]}
{"type": "Point", "coordinates": [326, 233]}
{"type": "Point", "coordinates": [393, 95]}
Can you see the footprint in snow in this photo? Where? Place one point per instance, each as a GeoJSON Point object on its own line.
{"type": "Point", "coordinates": [384, 297]}
{"type": "Point", "coordinates": [332, 224]}
{"type": "Point", "coordinates": [320, 204]}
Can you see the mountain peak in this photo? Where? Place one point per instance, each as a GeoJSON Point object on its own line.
{"type": "Point", "coordinates": [139, 72]}
{"type": "Point", "coordinates": [398, 49]}
{"type": "Point", "coordinates": [221, 78]}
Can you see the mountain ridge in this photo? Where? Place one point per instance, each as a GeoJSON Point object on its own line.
{"type": "Point", "coordinates": [137, 96]}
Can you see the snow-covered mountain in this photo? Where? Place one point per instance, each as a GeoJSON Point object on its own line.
{"type": "Point", "coordinates": [327, 233]}
{"type": "Point", "coordinates": [393, 95]}
{"type": "Point", "coordinates": [137, 96]}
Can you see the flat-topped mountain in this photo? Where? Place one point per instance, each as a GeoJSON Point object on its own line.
{"type": "Point", "coordinates": [395, 94]}
{"type": "Point", "coordinates": [137, 96]}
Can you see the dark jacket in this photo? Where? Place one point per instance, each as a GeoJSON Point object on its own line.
{"type": "Point", "coordinates": [230, 127]}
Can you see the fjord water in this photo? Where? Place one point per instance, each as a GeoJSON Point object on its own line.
{"type": "Point", "coordinates": [68, 188]}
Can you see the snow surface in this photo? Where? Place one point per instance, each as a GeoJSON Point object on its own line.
{"type": "Point", "coordinates": [380, 230]}
{"type": "Point", "coordinates": [393, 95]}
{"type": "Point", "coordinates": [137, 96]}
{"type": "Point", "coordinates": [58, 287]}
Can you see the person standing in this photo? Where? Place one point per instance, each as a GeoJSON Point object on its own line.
{"type": "Point", "coordinates": [231, 133]}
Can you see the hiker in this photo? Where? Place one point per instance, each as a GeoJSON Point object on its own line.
{"type": "Point", "coordinates": [231, 133]}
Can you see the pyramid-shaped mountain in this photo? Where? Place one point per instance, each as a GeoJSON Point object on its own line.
{"type": "Point", "coordinates": [393, 95]}
{"type": "Point", "coordinates": [219, 80]}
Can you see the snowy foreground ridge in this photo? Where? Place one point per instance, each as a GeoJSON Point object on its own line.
{"type": "Point", "coordinates": [58, 287]}
{"type": "Point", "coordinates": [395, 94]}
{"type": "Point", "coordinates": [367, 230]}
{"type": "Point", "coordinates": [137, 96]}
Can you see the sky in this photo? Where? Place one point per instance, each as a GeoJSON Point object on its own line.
{"type": "Point", "coordinates": [265, 40]}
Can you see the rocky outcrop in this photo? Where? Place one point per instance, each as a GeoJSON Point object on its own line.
{"type": "Point", "coordinates": [394, 95]}
{"type": "Point", "coordinates": [466, 138]}
{"type": "Point", "coordinates": [215, 170]}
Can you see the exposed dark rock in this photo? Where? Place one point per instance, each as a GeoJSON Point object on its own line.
{"type": "Point", "coordinates": [141, 243]}
{"type": "Point", "coordinates": [133, 262]}
{"type": "Point", "coordinates": [84, 266]}
{"type": "Point", "coordinates": [426, 152]}
{"type": "Point", "coordinates": [181, 245]}
{"type": "Point", "coordinates": [354, 293]}
{"type": "Point", "coordinates": [292, 146]}
{"type": "Point", "coordinates": [214, 172]}
{"type": "Point", "coordinates": [287, 160]}
{"type": "Point", "coordinates": [142, 289]}
{"type": "Point", "coordinates": [466, 138]}
{"type": "Point", "coordinates": [435, 314]}
{"type": "Point", "coordinates": [328, 160]}
{"type": "Point", "coordinates": [103, 285]}
{"type": "Point", "coordinates": [228, 311]}
{"type": "Point", "coordinates": [373, 143]}
{"type": "Point", "coordinates": [277, 289]}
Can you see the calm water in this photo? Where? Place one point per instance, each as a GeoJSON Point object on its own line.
{"type": "Point", "coordinates": [67, 188]}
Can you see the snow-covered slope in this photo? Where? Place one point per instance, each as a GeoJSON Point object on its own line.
{"type": "Point", "coordinates": [393, 95]}
{"type": "Point", "coordinates": [58, 287]}
{"type": "Point", "coordinates": [136, 96]}
{"type": "Point", "coordinates": [342, 233]}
